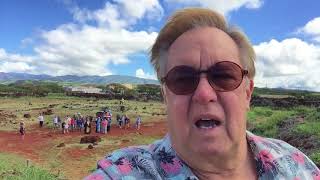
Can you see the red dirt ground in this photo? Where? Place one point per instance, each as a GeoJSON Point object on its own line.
{"type": "Point", "coordinates": [37, 139]}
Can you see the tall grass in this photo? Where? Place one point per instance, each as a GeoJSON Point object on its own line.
{"type": "Point", "coordinates": [311, 124]}
{"type": "Point", "coordinates": [265, 120]}
{"type": "Point", "coordinates": [13, 167]}
{"type": "Point", "coordinates": [310, 128]}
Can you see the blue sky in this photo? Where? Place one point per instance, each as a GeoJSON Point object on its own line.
{"type": "Point", "coordinates": [100, 37]}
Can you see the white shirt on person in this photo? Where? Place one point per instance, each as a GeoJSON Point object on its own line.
{"type": "Point", "coordinates": [40, 118]}
{"type": "Point", "coordinates": [55, 120]}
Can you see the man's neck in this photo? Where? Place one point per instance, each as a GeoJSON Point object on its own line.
{"type": "Point", "coordinates": [239, 164]}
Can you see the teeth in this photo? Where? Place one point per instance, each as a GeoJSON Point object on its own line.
{"type": "Point", "coordinates": [205, 119]}
{"type": "Point", "coordinates": [207, 127]}
{"type": "Point", "coordinates": [206, 123]}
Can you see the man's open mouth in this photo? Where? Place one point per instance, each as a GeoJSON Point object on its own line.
{"type": "Point", "coordinates": [207, 123]}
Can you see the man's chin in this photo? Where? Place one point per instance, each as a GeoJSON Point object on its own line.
{"type": "Point", "coordinates": [209, 148]}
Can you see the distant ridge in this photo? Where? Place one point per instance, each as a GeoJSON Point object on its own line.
{"type": "Point", "coordinates": [122, 79]}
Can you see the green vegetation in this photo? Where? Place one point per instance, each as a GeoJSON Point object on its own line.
{"type": "Point", "coordinates": [138, 92]}
{"type": "Point", "coordinates": [301, 123]}
{"type": "Point", "coordinates": [310, 128]}
{"type": "Point", "coordinates": [284, 92]}
{"type": "Point", "coordinates": [142, 92]}
{"type": "Point", "coordinates": [311, 124]}
{"type": "Point", "coordinates": [30, 88]}
{"type": "Point", "coordinates": [315, 157]}
{"type": "Point", "coordinates": [265, 120]}
{"type": "Point", "coordinates": [16, 168]}
{"type": "Point", "coordinates": [150, 89]}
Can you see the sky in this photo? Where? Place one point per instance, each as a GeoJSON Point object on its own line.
{"type": "Point", "coordinates": [104, 37]}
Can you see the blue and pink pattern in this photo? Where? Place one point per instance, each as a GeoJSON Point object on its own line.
{"type": "Point", "coordinates": [275, 159]}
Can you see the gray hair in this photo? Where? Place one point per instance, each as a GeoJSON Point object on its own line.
{"type": "Point", "coordinates": [191, 18]}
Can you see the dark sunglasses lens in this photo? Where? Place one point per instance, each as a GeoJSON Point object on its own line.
{"type": "Point", "coordinates": [182, 80]}
{"type": "Point", "coordinates": [225, 76]}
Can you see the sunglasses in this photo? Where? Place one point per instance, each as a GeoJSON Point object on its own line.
{"type": "Point", "coordinates": [222, 76]}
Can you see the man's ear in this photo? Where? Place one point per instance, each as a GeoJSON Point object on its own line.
{"type": "Point", "coordinates": [163, 92]}
{"type": "Point", "coordinates": [249, 91]}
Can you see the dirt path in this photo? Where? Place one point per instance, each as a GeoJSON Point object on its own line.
{"type": "Point", "coordinates": [39, 140]}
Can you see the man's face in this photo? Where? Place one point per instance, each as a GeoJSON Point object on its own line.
{"type": "Point", "coordinates": [189, 131]}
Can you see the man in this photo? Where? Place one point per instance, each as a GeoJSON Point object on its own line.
{"type": "Point", "coordinates": [206, 69]}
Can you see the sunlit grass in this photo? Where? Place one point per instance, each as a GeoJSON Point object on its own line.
{"type": "Point", "coordinates": [15, 167]}
{"type": "Point", "coordinates": [310, 128]}
{"type": "Point", "coordinates": [311, 124]}
{"type": "Point", "coordinates": [265, 120]}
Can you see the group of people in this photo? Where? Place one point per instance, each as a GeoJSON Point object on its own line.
{"type": "Point", "coordinates": [103, 122]}
{"type": "Point", "coordinates": [124, 122]}
{"type": "Point", "coordinates": [73, 123]}
{"type": "Point", "coordinates": [79, 123]}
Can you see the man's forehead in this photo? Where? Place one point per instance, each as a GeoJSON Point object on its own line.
{"type": "Point", "coordinates": [203, 44]}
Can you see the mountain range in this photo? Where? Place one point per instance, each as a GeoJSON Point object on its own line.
{"type": "Point", "coordinates": [122, 79]}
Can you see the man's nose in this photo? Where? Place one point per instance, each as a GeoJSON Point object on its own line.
{"type": "Point", "coordinates": [204, 92]}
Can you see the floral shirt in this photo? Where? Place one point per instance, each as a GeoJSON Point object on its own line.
{"type": "Point", "coordinates": [275, 159]}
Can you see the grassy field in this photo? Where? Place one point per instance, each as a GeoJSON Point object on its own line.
{"type": "Point", "coordinates": [299, 123]}
{"type": "Point", "coordinates": [74, 155]}
{"type": "Point", "coordinates": [265, 121]}
{"type": "Point", "coordinates": [65, 105]}
{"type": "Point", "coordinates": [13, 167]}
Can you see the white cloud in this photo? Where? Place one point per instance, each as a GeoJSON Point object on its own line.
{"type": "Point", "coordinates": [15, 62]}
{"type": "Point", "coordinates": [15, 67]}
{"type": "Point", "coordinates": [317, 39]}
{"type": "Point", "coordinates": [81, 15]}
{"type": "Point", "coordinates": [222, 6]}
{"type": "Point", "coordinates": [3, 53]}
{"type": "Point", "coordinates": [150, 8]}
{"type": "Point", "coordinates": [312, 28]}
{"type": "Point", "coordinates": [120, 13]}
{"type": "Point", "coordinates": [291, 63]}
{"type": "Point", "coordinates": [141, 74]}
{"type": "Point", "coordinates": [101, 37]}
{"type": "Point", "coordinates": [109, 17]}
{"type": "Point", "coordinates": [94, 41]}
{"type": "Point", "coordinates": [8, 57]}
{"type": "Point", "coordinates": [88, 50]}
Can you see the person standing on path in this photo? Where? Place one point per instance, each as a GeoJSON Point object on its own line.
{"type": "Point", "coordinates": [138, 122]}
{"type": "Point", "coordinates": [22, 130]}
{"type": "Point", "coordinates": [41, 120]}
